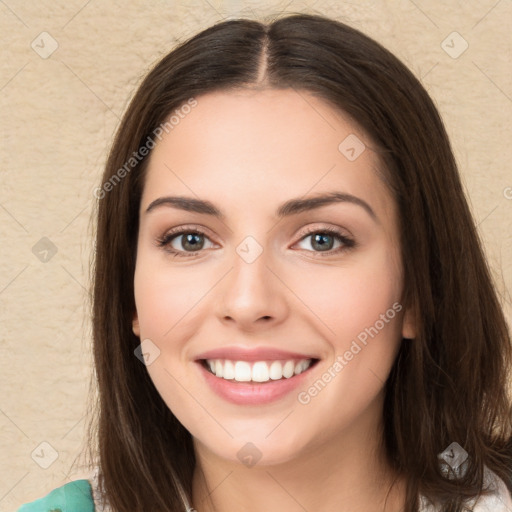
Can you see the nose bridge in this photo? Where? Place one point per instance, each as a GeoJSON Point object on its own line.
{"type": "Point", "coordinates": [251, 291]}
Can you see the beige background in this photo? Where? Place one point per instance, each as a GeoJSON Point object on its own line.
{"type": "Point", "coordinates": [58, 116]}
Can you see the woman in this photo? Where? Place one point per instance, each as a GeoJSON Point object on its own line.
{"type": "Point", "coordinates": [292, 310]}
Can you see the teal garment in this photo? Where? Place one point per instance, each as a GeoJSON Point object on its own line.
{"type": "Point", "coordinates": [74, 496]}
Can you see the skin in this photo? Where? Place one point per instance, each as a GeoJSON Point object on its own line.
{"type": "Point", "coordinates": [248, 152]}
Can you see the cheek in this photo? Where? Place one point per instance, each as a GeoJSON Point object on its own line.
{"type": "Point", "coordinates": [361, 306]}
{"type": "Point", "coordinates": [166, 298]}
{"type": "Point", "coordinates": [168, 303]}
{"type": "Point", "coordinates": [351, 298]}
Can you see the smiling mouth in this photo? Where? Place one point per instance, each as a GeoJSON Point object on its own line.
{"type": "Point", "coordinates": [257, 371]}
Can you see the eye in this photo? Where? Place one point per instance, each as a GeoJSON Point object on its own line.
{"type": "Point", "coordinates": [185, 242]}
{"type": "Point", "coordinates": [324, 241]}
{"type": "Point", "coordinates": [181, 241]}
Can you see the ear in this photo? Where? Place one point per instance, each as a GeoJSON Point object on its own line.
{"type": "Point", "coordinates": [135, 325]}
{"type": "Point", "coordinates": [409, 330]}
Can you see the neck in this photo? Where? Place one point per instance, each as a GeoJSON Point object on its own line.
{"type": "Point", "coordinates": [347, 473]}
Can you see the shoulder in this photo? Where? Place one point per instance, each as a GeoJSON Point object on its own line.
{"type": "Point", "coordinates": [75, 496]}
{"type": "Point", "coordinates": [499, 501]}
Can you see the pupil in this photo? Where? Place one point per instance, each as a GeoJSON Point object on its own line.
{"type": "Point", "coordinates": [320, 240]}
{"type": "Point", "coordinates": [193, 245]}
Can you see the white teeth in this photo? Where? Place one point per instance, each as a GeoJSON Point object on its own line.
{"type": "Point", "coordinates": [242, 371]}
{"type": "Point", "coordinates": [298, 368]}
{"type": "Point", "coordinates": [276, 370]}
{"type": "Point", "coordinates": [259, 371]}
{"type": "Point", "coordinates": [229, 370]}
{"type": "Point", "coordinates": [219, 368]}
{"type": "Point", "coordinates": [288, 369]}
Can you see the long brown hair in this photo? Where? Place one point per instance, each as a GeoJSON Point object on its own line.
{"type": "Point", "coordinates": [447, 385]}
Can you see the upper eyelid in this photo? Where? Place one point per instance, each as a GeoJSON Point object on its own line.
{"type": "Point", "coordinates": [179, 230]}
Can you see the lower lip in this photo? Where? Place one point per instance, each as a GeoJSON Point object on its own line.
{"type": "Point", "coordinates": [250, 393]}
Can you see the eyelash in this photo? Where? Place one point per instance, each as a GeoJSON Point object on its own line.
{"type": "Point", "coordinates": [165, 240]}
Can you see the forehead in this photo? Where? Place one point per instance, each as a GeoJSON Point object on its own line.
{"type": "Point", "coordinates": [254, 145]}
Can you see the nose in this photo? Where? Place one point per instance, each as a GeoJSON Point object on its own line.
{"type": "Point", "coordinates": [252, 296]}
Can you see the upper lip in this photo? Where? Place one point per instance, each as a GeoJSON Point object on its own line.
{"type": "Point", "coordinates": [252, 354]}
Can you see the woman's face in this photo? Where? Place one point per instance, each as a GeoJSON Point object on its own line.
{"type": "Point", "coordinates": [294, 303]}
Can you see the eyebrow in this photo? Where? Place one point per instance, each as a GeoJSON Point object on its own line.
{"type": "Point", "coordinates": [290, 207]}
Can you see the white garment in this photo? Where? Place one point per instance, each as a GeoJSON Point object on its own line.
{"type": "Point", "coordinates": [499, 501]}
